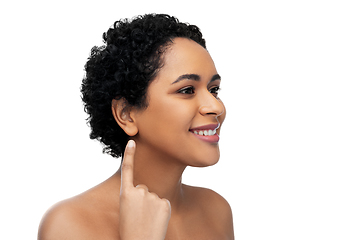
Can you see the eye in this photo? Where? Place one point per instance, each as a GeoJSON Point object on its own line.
{"type": "Point", "coordinates": [214, 91]}
{"type": "Point", "coordinates": [187, 90]}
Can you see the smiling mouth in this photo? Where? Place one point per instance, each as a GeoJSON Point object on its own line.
{"type": "Point", "coordinates": [206, 133]}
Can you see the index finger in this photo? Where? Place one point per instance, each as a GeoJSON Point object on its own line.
{"type": "Point", "coordinates": [127, 166]}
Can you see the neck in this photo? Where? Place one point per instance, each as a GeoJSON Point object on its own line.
{"type": "Point", "coordinates": [161, 174]}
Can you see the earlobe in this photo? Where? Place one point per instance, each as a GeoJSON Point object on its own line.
{"type": "Point", "coordinates": [122, 115]}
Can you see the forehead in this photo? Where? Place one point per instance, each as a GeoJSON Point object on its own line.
{"type": "Point", "coordinates": [185, 56]}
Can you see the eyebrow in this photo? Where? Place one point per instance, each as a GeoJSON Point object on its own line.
{"type": "Point", "coordinates": [195, 77]}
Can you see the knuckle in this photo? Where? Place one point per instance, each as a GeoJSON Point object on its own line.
{"type": "Point", "coordinates": [125, 195]}
{"type": "Point", "coordinates": [166, 205]}
{"type": "Point", "coordinates": [142, 186]}
{"type": "Point", "coordinates": [142, 191]}
{"type": "Point", "coordinates": [154, 195]}
{"type": "Point", "coordinates": [126, 167]}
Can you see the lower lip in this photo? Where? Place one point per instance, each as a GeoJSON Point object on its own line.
{"type": "Point", "coordinates": [211, 139]}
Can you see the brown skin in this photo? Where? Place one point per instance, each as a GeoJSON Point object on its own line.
{"type": "Point", "coordinates": [164, 148]}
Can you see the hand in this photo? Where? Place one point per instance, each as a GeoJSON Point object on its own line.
{"type": "Point", "coordinates": [143, 215]}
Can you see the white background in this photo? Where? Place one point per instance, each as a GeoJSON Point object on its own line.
{"type": "Point", "coordinates": [291, 141]}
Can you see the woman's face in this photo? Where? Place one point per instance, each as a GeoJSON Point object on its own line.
{"type": "Point", "coordinates": [183, 107]}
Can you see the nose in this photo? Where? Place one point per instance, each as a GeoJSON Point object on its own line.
{"type": "Point", "coordinates": [210, 105]}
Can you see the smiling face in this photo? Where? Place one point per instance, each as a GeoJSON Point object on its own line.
{"type": "Point", "coordinates": [184, 114]}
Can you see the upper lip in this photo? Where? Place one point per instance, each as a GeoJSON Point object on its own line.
{"type": "Point", "coordinates": [206, 127]}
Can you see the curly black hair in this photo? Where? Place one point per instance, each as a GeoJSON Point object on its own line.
{"type": "Point", "coordinates": [124, 67]}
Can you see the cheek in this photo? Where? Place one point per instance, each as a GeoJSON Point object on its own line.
{"type": "Point", "coordinates": [165, 119]}
{"type": "Point", "coordinates": [164, 128]}
{"type": "Point", "coordinates": [172, 115]}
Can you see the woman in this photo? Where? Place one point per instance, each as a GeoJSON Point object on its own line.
{"type": "Point", "coordinates": [154, 87]}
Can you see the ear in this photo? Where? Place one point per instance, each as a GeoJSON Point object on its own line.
{"type": "Point", "coordinates": [123, 116]}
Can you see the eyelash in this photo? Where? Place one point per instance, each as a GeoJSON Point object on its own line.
{"type": "Point", "coordinates": [214, 90]}
{"type": "Point", "coordinates": [186, 89]}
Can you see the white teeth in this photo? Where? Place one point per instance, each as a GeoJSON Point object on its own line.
{"type": "Point", "coordinates": [206, 132]}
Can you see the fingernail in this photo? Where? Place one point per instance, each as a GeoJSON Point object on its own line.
{"type": "Point", "coordinates": [131, 144]}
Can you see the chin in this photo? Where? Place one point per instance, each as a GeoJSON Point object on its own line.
{"type": "Point", "coordinates": [205, 162]}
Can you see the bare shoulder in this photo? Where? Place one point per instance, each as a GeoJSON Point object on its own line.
{"type": "Point", "coordinates": [209, 199]}
{"type": "Point", "coordinates": [86, 216]}
{"type": "Point", "coordinates": [215, 207]}
{"type": "Point", "coordinates": [64, 221]}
